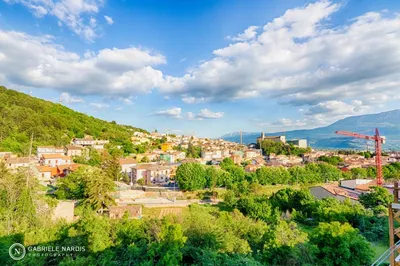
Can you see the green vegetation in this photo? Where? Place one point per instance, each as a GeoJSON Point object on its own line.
{"type": "Point", "coordinates": [194, 176]}
{"type": "Point", "coordinates": [269, 146]}
{"type": "Point", "coordinates": [378, 200]}
{"type": "Point", "coordinates": [333, 160]}
{"type": "Point", "coordinates": [51, 124]}
{"type": "Point", "coordinates": [90, 184]}
{"type": "Point", "coordinates": [289, 227]}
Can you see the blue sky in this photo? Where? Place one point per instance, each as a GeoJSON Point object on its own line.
{"type": "Point", "coordinates": [205, 66]}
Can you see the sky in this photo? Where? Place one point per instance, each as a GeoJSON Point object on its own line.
{"type": "Point", "coordinates": [206, 67]}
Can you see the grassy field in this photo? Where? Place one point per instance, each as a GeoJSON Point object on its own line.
{"type": "Point", "coordinates": [160, 212]}
{"type": "Point", "coordinates": [379, 249]}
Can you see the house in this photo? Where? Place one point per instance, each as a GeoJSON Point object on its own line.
{"type": "Point", "coordinates": [139, 140]}
{"type": "Point", "coordinates": [172, 157]}
{"type": "Point", "coordinates": [251, 168]}
{"type": "Point", "coordinates": [49, 150]}
{"type": "Point", "coordinates": [152, 173]}
{"type": "Point", "coordinates": [151, 156]}
{"type": "Point", "coordinates": [54, 160]}
{"type": "Point", "coordinates": [133, 211]}
{"type": "Point", "coordinates": [44, 172]}
{"type": "Point", "coordinates": [72, 150]}
{"type": "Point", "coordinates": [167, 146]}
{"type": "Point", "coordinates": [210, 154]}
{"type": "Point", "coordinates": [258, 161]}
{"type": "Point", "coordinates": [237, 159]}
{"type": "Point", "coordinates": [251, 154]}
{"type": "Point", "coordinates": [88, 141]}
{"type": "Point", "coordinates": [334, 191]}
{"type": "Point", "coordinates": [66, 169]}
{"type": "Point", "coordinates": [14, 163]}
{"type": "Point", "coordinates": [355, 183]}
{"type": "Point", "coordinates": [126, 165]}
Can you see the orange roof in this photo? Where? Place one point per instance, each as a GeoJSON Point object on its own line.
{"type": "Point", "coordinates": [72, 167]}
{"type": "Point", "coordinates": [127, 161]}
{"type": "Point", "coordinates": [56, 156]}
{"type": "Point", "coordinates": [366, 187]}
{"type": "Point", "coordinates": [43, 169]}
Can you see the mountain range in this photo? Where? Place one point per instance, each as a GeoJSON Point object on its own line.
{"type": "Point", "coordinates": [388, 124]}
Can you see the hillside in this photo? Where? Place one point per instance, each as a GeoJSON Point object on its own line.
{"type": "Point", "coordinates": [51, 124]}
{"type": "Point", "coordinates": [325, 137]}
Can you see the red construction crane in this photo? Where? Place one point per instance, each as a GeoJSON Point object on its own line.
{"type": "Point", "coordinates": [378, 150]}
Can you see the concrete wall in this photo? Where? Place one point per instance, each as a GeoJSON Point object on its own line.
{"type": "Point", "coordinates": [64, 210]}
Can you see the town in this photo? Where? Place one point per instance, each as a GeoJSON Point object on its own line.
{"type": "Point", "coordinates": [199, 132]}
{"type": "Point", "coordinates": [156, 168]}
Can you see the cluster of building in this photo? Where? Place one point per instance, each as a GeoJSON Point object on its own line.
{"type": "Point", "coordinates": [301, 143]}
{"type": "Point", "coordinates": [52, 161]}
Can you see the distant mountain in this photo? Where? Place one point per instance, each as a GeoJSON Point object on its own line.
{"type": "Point", "coordinates": [51, 124]}
{"type": "Point", "coordinates": [388, 124]}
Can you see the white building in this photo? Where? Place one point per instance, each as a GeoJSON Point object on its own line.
{"type": "Point", "coordinates": [71, 150]}
{"type": "Point", "coordinates": [301, 143]}
{"type": "Point", "coordinates": [54, 160]}
{"type": "Point", "coordinates": [88, 141]}
{"type": "Point", "coordinates": [152, 173]}
{"type": "Point", "coordinates": [127, 164]}
{"type": "Point", "coordinates": [14, 163]}
{"type": "Point", "coordinates": [49, 150]}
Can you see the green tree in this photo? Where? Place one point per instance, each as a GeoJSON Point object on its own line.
{"type": "Point", "coordinates": [170, 241]}
{"type": "Point", "coordinates": [98, 189]}
{"type": "Point", "coordinates": [112, 168]}
{"type": "Point", "coordinates": [378, 199]}
{"type": "Point", "coordinates": [340, 244]}
{"type": "Point", "coordinates": [191, 176]}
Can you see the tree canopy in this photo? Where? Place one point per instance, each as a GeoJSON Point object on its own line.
{"type": "Point", "coordinates": [51, 124]}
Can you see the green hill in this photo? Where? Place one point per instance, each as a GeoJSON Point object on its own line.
{"type": "Point", "coordinates": [51, 124]}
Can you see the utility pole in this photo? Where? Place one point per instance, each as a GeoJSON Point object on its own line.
{"type": "Point", "coordinates": [29, 161]}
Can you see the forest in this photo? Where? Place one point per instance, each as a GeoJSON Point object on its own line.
{"type": "Point", "coordinates": [51, 124]}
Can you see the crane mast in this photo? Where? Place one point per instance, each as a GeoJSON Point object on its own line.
{"type": "Point", "coordinates": [378, 150]}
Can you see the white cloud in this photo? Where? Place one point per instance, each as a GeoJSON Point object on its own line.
{"type": "Point", "coordinates": [207, 114]}
{"type": "Point", "coordinates": [67, 98]}
{"type": "Point", "coordinates": [191, 100]}
{"type": "Point", "coordinates": [300, 60]}
{"type": "Point", "coordinates": [174, 112]}
{"type": "Point", "coordinates": [204, 114]}
{"type": "Point", "coordinates": [118, 108]}
{"type": "Point", "coordinates": [72, 13]}
{"type": "Point", "coordinates": [127, 101]}
{"type": "Point", "coordinates": [249, 34]}
{"type": "Point", "coordinates": [109, 20]}
{"type": "Point", "coordinates": [31, 61]}
{"type": "Point", "coordinates": [100, 105]}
